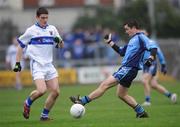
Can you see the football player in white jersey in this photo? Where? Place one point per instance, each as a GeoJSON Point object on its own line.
{"type": "Point", "coordinates": [41, 39]}
{"type": "Point", "coordinates": [11, 61]}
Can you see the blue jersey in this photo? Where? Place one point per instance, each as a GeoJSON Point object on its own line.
{"type": "Point", "coordinates": [134, 51]}
{"type": "Point", "coordinates": [159, 53]}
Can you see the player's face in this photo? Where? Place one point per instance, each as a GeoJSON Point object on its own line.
{"type": "Point", "coordinates": [42, 19]}
{"type": "Point", "coordinates": [129, 31]}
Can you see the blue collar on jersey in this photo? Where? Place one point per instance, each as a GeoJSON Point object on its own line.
{"type": "Point", "coordinates": [37, 24]}
{"type": "Point", "coordinates": [137, 34]}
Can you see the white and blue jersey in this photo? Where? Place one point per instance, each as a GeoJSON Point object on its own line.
{"type": "Point", "coordinates": [40, 42]}
{"type": "Point", "coordinates": [132, 61]}
{"type": "Point", "coordinates": [153, 68]}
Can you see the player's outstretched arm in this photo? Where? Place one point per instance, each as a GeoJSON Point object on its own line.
{"type": "Point", "coordinates": [108, 40]}
{"type": "Point", "coordinates": [120, 50]}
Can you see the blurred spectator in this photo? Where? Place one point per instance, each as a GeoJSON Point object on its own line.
{"type": "Point", "coordinates": [89, 41]}
{"type": "Point", "coordinates": [11, 60]}
{"type": "Point", "coordinates": [78, 49]}
{"type": "Point", "coordinates": [86, 43]}
{"type": "Point", "coordinates": [79, 34]}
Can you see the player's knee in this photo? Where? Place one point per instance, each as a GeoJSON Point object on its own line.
{"type": "Point", "coordinates": [153, 86]}
{"type": "Point", "coordinates": [55, 93]}
{"type": "Point", "coordinates": [144, 81]}
{"type": "Point", "coordinates": [41, 92]}
{"type": "Point", "coordinates": [120, 95]}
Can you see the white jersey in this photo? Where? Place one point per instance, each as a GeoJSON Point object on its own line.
{"type": "Point", "coordinates": [40, 42]}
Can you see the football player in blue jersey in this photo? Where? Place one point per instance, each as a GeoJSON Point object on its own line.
{"type": "Point", "coordinates": [132, 62]}
{"type": "Point", "coordinates": [149, 78]}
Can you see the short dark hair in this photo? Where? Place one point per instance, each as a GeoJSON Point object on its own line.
{"type": "Point", "coordinates": [132, 23]}
{"type": "Point", "coordinates": [41, 10]}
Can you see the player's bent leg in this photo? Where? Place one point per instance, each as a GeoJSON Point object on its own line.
{"type": "Point", "coordinates": [35, 94]}
{"type": "Point", "coordinates": [40, 89]}
{"type": "Point", "coordinates": [51, 99]}
{"type": "Point", "coordinates": [161, 89]}
{"type": "Point", "coordinates": [155, 85]}
{"type": "Point", "coordinates": [53, 87]}
{"type": "Point", "coordinates": [123, 95]}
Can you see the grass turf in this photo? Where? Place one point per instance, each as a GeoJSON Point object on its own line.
{"type": "Point", "coordinates": [107, 111]}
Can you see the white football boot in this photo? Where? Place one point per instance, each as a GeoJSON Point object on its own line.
{"type": "Point", "coordinates": [146, 103]}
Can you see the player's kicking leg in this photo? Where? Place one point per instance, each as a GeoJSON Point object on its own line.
{"type": "Point", "coordinates": [40, 90]}
{"type": "Point", "coordinates": [106, 84]}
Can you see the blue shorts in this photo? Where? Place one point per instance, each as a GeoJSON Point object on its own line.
{"type": "Point", "coordinates": [125, 75]}
{"type": "Point", "coordinates": [151, 70]}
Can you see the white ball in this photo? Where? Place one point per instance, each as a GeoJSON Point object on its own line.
{"type": "Point", "coordinates": [174, 98]}
{"type": "Point", "coordinates": [77, 110]}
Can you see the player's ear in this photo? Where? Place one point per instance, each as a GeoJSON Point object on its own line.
{"type": "Point", "coordinates": [37, 17]}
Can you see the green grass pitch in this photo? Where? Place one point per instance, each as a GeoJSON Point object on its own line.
{"type": "Point", "coordinates": [107, 111]}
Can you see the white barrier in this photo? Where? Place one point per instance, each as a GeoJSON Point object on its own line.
{"type": "Point", "coordinates": [87, 75]}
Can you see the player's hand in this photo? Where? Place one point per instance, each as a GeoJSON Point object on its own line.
{"type": "Point", "coordinates": [148, 62]}
{"type": "Point", "coordinates": [107, 38]}
{"type": "Point", "coordinates": [163, 69]}
{"type": "Point", "coordinates": [58, 41]}
{"type": "Point", "coordinates": [17, 67]}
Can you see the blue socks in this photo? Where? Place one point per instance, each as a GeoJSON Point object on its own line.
{"type": "Point", "coordinates": [85, 100]}
{"type": "Point", "coordinates": [147, 98]}
{"type": "Point", "coordinates": [29, 102]}
{"type": "Point", "coordinates": [45, 113]}
{"type": "Point", "coordinates": [168, 94]}
{"type": "Point", "coordinates": [138, 109]}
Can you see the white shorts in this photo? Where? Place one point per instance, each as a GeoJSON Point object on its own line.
{"type": "Point", "coordinates": [46, 72]}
